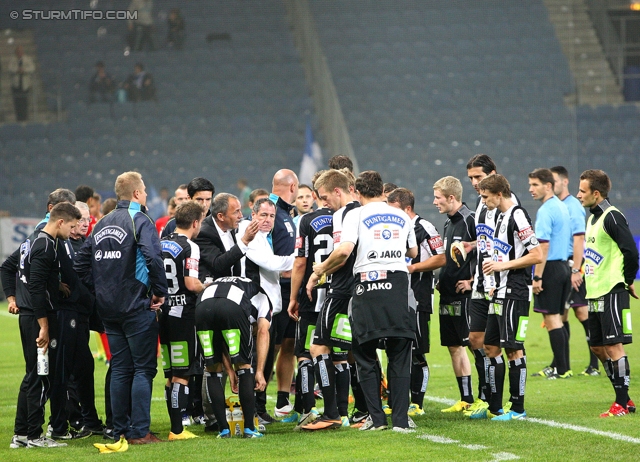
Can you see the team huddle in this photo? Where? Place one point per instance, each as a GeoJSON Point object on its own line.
{"type": "Point", "coordinates": [230, 297]}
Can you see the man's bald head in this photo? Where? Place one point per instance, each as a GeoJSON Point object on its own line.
{"type": "Point", "coordinates": [285, 185]}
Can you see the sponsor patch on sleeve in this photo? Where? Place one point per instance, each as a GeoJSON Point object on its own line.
{"type": "Point", "coordinates": [336, 237]}
{"type": "Point", "coordinates": [435, 243]}
{"type": "Point", "coordinates": [192, 264]}
{"type": "Point", "coordinates": [525, 234]}
{"type": "Point", "coordinates": [298, 242]}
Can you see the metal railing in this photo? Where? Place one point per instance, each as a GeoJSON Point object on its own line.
{"type": "Point", "coordinates": [320, 80]}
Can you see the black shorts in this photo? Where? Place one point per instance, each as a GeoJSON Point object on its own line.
{"type": "Point", "coordinates": [478, 312]}
{"type": "Point", "coordinates": [507, 324]}
{"type": "Point", "coordinates": [334, 328]}
{"type": "Point", "coordinates": [178, 344]}
{"type": "Point", "coordinates": [578, 297]}
{"type": "Point", "coordinates": [556, 285]}
{"type": "Point", "coordinates": [423, 338]}
{"type": "Point", "coordinates": [380, 307]}
{"type": "Point", "coordinates": [610, 319]}
{"type": "Point", "coordinates": [222, 326]}
{"type": "Point", "coordinates": [454, 323]}
{"type": "Point", "coordinates": [305, 328]}
{"type": "Point", "coordinates": [282, 326]}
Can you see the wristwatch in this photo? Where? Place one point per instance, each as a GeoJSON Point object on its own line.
{"type": "Point", "coordinates": [537, 278]}
{"type": "Point", "coordinates": [574, 271]}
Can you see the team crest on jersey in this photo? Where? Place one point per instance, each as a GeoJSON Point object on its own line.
{"type": "Point", "coordinates": [172, 248]}
{"type": "Point", "coordinates": [373, 275]}
{"type": "Point", "coordinates": [386, 234]}
{"type": "Point", "coordinates": [24, 251]}
{"type": "Point", "coordinates": [501, 246]}
{"type": "Point", "coordinates": [593, 256]}
{"type": "Point", "coordinates": [321, 222]}
{"type": "Point", "coordinates": [484, 244]}
{"type": "Point", "coordinates": [110, 232]}
{"type": "Point", "coordinates": [383, 218]}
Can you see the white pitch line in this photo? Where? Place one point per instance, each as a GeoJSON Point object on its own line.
{"type": "Point", "coordinates": [498, 456]}
{"type": "Point", "coordinates": [552, 423]}
{"type": "Point", "coordinates": [9, 315]}
{"type": "Point", "coordinates": [577, 428]}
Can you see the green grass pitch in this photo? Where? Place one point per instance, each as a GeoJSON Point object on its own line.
{"type": "Point", "coordinates": [563, 419]}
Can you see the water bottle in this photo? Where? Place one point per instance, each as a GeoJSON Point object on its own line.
{"type": "Point", "coordinates": [43, 362]}
{"type": "Point", "coordinates": [489, 279]}
{"type": "Point", "coordinates": [230, 421]}
{"type": "Point", "coordinates": [237, 418]}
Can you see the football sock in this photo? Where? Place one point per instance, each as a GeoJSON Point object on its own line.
{"type": "Point", "coordinates": [419, 379]}
{"type": "Point", "coordinates": [297, 402]}
{"type": "Point", "coordinates": [343, 378]}
{"type": "Point", "coordinates": [480, 361]}
{"type": "Point", "coordinates": [195, 397]}
{"type": "Point", "coordinates": [307, 383]}
{"type": "Point", "coordinates": [283, 399]}
{"type": "Point", "coordinates": [517, 383]}
{"type": "Point", "coordinates": [179, 403]}
{"type": "Point", "coordinates": [567, 331]}
{"type": "Point", "coordinates": [464, 385]}
{"type": "Point", "coordinates": [620, 369]}
{"type": "Point", "coordinates": [246, 379]}
{"type": "Point", "coordinates": [167, 398]}
{"type": "Point", "coordinates": [558, 340]}
{"type": "Point", "coordinates": [593, 359]}
{"type": "Point", "coordinates": [326, 376]}
{"type": "Point", "coordinates": [496, 383]}
{"type": "Point", "coordinates": [216, 396]}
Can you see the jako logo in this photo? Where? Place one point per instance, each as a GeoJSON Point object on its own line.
{"type": "Point", "coordinates": [108, 255]}
{"type": "Point", "coordinates": [379, 286]}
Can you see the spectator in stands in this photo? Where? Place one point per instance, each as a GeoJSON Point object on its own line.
{"type": "Point", "coordinates": [102, 85]}
{"type": "Point", "coordinates": [140, 85]}
{"type": "Point", "coordinates": [175, 24]}
{"type": "Point", "coordinates": [21, 68]}
{"type": "Point", "coordinates": [162, 221]}
{"type": "Point", "coordinates": [108, 206]}
{"type": "Point", "coordinates": [142, 27]}
{"type": "Point", "coordinates": [245, 194]}
{"type": "Point", "coordinates": [96, 206]}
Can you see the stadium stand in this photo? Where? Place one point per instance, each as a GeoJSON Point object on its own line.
{"type": "Point", "coordinates": [423, 88]}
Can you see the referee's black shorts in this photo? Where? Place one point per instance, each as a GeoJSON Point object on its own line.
{"type": "Point", "coordinates": [556, 286]}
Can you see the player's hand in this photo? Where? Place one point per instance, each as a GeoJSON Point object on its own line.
{"type": "Point", "coordinates": [43, 338]}
{"type": "Point", "coordinates": [537, 287]}
{"type": "Point", "coordinates": [313, 280]}
{"type": "Point", "coordinates": [463, 286]}
{"type": "Point", "coordinates": [490, 266]}
{"type": "Point", "coordinates": [293, 310]}
{"type": "Point", "coordinates": [576, 281]}
{"type": "Point", "coordinates": [156, 302]}
{"type": "Point", "coordinates": [233, 382]}
{"type": "Point", "coordinates": [250, 232]}
{"type": "Point", "coordinates": [13, 308]}
{"type": "Point", "coordinates": [64, 288]}
{"type": "Point", "coordinates": [261, 383]}
{"type": "Point", "coordinates": [632, 291]}
{"type": "Point", "coordinates": [469, 246]}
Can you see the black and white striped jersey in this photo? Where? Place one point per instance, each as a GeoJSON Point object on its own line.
{"type": "Point", "coordinates": [341, 282]}
{"type": "Point", "coordinates": [249, 296]}
{"type": "Point", "coordinates": [513, 238]}
{"type": "Point", "coordinates": [181, 259]}
{"type": "Point", "coordinates": [485, 227]}
{"type": "Point", "coordinates": [315, 243]}
{"type": "Point", "coordinates": [429, 244]}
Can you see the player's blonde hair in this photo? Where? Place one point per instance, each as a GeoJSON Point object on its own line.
{"type": "Point", "coordinates": [126, 184]}
{"type": "Point", "coordinates": [450, 186]}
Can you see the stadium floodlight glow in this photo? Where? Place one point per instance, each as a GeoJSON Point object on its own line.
{"type": "Point", "coordinates": [635, 6]}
